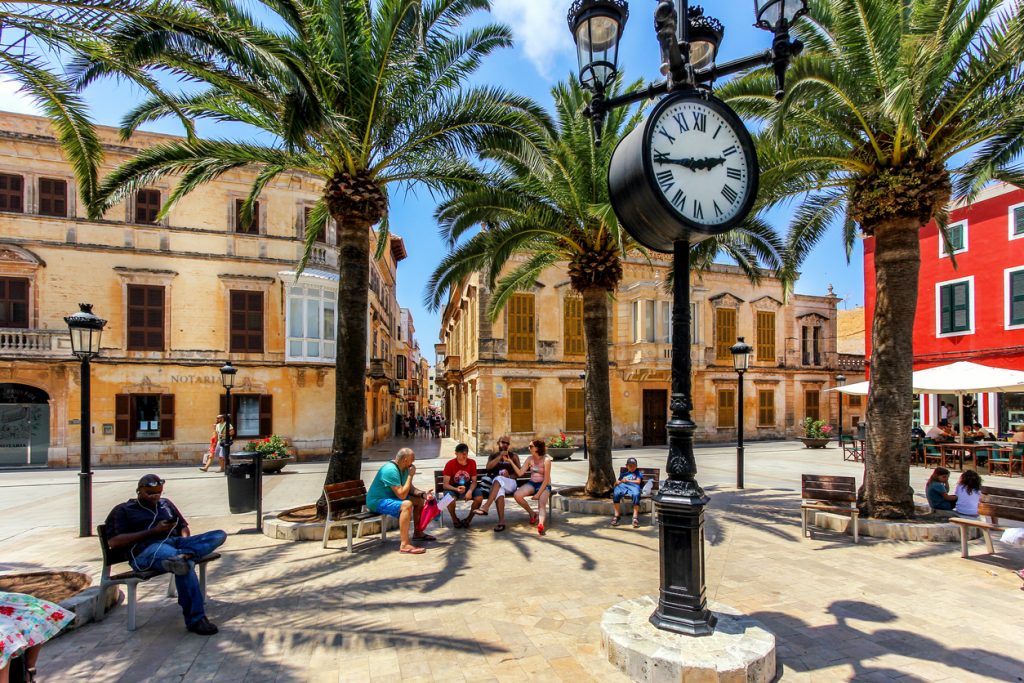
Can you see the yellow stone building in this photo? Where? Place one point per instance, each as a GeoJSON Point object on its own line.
{"type": "Point", "coordinates": [181, 295]}
{"type": "Point", "coordinates": [523, 373]}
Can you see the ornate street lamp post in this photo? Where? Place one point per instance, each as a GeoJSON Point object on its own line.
{"type": "Point", "coordinates": [227, 379]}
{"type": "Point", "coordinates": [741, 361]}
{"type": "Point", "coordinates": [674, 182]}
{"type": "Point", "coordinates": [85, 329]}
{"type": "Point", "coordinates": [840, 381]}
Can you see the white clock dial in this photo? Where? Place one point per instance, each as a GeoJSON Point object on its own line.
{"type": "Point", "coordinates": [699, 162]}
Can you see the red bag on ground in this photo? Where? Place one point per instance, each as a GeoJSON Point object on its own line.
{"type": "Point", "coordinates": [429, 512]}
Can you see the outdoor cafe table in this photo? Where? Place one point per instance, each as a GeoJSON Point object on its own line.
{"type": "Point", "coordinates": [960, 452]}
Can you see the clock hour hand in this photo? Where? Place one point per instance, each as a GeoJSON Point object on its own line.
{"type": "Point", "coordinates": [706, 163]}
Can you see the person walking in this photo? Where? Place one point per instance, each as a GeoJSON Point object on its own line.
{"type": "Point", "coordinates": [222, 435]}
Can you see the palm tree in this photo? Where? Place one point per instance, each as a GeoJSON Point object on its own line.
{"type": "Point", "coordinates": [894, 109]}
{"type": "Point", "coordinates": [551, 204]}
{"type": "Point", "coordinates": [362, 95]}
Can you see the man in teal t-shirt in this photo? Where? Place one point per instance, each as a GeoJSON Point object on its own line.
{"type": "Point", "coordinates": [391, 493]}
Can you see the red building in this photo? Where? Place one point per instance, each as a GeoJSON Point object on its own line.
{"type": "Point", "coordinates": [973, 311]}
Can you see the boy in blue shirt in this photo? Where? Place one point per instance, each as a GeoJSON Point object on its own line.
{"type": "Point", "coordinates": [391, 493]}
{"type": "Point", "coordinates": [628, 484]}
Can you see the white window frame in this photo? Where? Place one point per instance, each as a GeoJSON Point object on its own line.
{"type": "Point", "coordinates": [938, 307]}
{"type": "Point", "coordinates": [1006, 297]}
{"type": "Point", "coordinates": [328, 295]}
{"type": "Point", "coordinates": [1011, 222]}
{"type": "Point", "coordinates": [942, 241]}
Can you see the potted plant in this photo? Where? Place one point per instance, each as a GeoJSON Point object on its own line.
{"type": "Point", "coordinates": [561, 447]}
{"type": "Point", "coordinates": [817, 434]}
{"type": "Point", "coordinates": [274, 450]}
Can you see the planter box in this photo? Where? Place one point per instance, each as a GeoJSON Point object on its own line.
{"type": "Point", "coordinates": [275, 465]}
{"type": "Point", "coordinates": [815, 443]}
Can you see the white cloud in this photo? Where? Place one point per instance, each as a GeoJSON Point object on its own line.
{"type": "Point", "coordinates": [12, 100]}
{"type": "Point", "coordinates": [539, 28]}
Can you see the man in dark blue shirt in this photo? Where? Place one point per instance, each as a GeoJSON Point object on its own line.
{"type": "Point", "coordinates": [157, 536]}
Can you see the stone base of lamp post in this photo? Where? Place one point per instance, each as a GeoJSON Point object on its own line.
{"type": "Point", "coordinates": [740, 649]}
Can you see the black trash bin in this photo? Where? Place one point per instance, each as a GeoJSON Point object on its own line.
{"type": "Point", "coordinates": [241, 486]}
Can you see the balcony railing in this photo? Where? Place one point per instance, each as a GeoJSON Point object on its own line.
{"type": "Point", "coordinates": [379, 369]}
{"type": "Point", "coordinates": [452, 364]}
{"type": "Point", "coordinates": [23, 342]}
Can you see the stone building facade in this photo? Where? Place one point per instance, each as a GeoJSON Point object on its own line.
{"type": "Point", "coordinates": [523, 373]}
{"type": "Point", "coordinates": [181, 295]}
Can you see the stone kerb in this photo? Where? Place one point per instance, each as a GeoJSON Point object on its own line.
{"type": "Point", "coordinates": [740, 650]}
{"type": "Point", "coordinates": [566, 501]}
{"type": "Point", "coordinates": [275, 527]}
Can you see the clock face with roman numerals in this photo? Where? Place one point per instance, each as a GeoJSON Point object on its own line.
{"type": "Point", "coordinates": [701, 161]}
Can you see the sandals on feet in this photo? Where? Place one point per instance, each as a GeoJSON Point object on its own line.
{"type": "Point", "coordinates": [540, 529]}
{"type": "Point", "coordinates": [533, 520]}
{"type": "Point", "coordinates": [412, 550]}
{"type": "Point", "coordinates": [615, 520]}
{"type": "Point", "coordinates": [458, 523]}
{"type": "Point", "coordinates": [636, 523]}
{"type": "Point", "coordinates": [481, 512]}
{"type": "Point", "coordinates": [500, 527]}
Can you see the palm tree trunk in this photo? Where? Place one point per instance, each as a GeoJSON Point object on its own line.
{"type": "Point", "coordinates": [350, 360]}
{"type": "Point", "coordinates": [598, 396]}
{"type": "Point", "coordinates": [886, 492]}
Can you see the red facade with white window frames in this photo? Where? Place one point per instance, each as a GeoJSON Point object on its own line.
{"type": "Point", "coordinates": [974, 310]}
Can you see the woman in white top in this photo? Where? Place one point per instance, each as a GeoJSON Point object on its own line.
{"type": "Point", "coordinates": [968, 494]}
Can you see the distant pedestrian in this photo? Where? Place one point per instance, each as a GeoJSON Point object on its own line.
{"type": "Point", "coordinates": [219, 441]}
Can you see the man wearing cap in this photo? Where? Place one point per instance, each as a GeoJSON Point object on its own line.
{"type": "Point", "coordinates": [157, 536]}
{"type": "Point", "coordinates": [628, 484]}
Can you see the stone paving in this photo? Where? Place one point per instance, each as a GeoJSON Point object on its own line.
{"type": "Point", "coordinates": [480, 606]}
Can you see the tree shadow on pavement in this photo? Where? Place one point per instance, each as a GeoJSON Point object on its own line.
{"type": "Point", "coordinates": [773, 511]}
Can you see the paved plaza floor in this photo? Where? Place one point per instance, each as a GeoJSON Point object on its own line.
{"type": "Point", "coordinates": [483, 606]}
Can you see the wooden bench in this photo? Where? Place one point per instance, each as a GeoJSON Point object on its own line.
{"type": "Point", "coordinates": [821, 492]}
{"type": "Point", "coordinates": [996, 503]}
{"type": "Point", "coordinates": [346, 506]}
{"type": "Point", "coordinates": [439, 491]}
{"type": "Point", "coordinates": [132, 579]}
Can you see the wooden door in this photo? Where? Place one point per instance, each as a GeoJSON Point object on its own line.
{"type": "Point", "coordinates": [655, 417]}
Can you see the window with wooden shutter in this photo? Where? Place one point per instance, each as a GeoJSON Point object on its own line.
{"type": "Point", "coordinates": [53, 197]}
{"type": "Point", "coordinates": [812, 409]}
{"type": "Point", "coordinates": [573, 326]}
{"type": "Point", "coordinates": [766, 408]}
{"type": "Point", "coordinates": [853, 400]}
{"type": "Point", "coordinates": [522, 409]}
{"type": "Point", "coordinates": [145, 318]}
{"type": "Point", "coordinates": [1018, 221]}
{"type": "Point", "coordinates": [321, 235]}
{"type": "Point", "coordinates": [957, 242]}
{"type": "Point", "coordinates": [266, 415]}
{"type": "Point", "coordinates": [14, 302]}
{"type": "Point", "coordinates": [167, 416]}
{"type": "Point", "coordinates": [726, 408]}
{"type": "Point", "coordinates": [12, 192]}
{"type": "Point", "coordinates": [122, 417]}
{"type": "Point", "coordinates": [246, 321]}
{"type": "Point", "coordinates": [521, 324]}
{"type": "Point", "coordinates": [1016, 296]}
{"type": "Point", "coordinates": [147, 206]}
{"type": "Point", "coordinates": [574, 410]}
{"type": "Point", "coordinates": [955, 307]}
{"type": "Point", "coordinates": [765, 348]}
{"type": "Point", "coordinates": [251, 228]}
{"type": "Point", "coordinates": [725, 333]}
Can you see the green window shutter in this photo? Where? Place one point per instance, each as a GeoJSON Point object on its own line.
{"type": "Point", "coordinates": [945, 310]}
{"type": "Point", "coordinates": [1018, 221]}
{"type": "Point", "coordinates": [1017, 297]}
{"type": "Point", "coordinates": [961, 307]}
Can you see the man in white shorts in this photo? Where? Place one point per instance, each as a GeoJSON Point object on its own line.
{"type": "Point", "coordinates": [502, 469]}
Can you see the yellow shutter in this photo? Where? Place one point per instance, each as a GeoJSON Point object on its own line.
{"type": "Point", "coordinates": [725, 333]}
{"type": "Point", "coordinates": [766, 408]}
{"type": "Point", "coordinates": [574, 410]}
{"type": "Point", "coordinates": [766, 336]}
{"type": "Point", "coordinates": [573, 323]}
{"type": "Point", "coordinates": [522, 409]}
{"type": "Point", "coordinates": [726, 407]}
{"type": "Point", "coordinates": [521, 324]}
{"type": "Point", "coordinates": [811, 404]}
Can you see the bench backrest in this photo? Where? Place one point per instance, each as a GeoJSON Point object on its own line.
{"type": "Point", "coordinates": [830, 488]}
{"type": "Point", "coordinates": [649, 474]}
{"type": "Point", "coordinates": [345, 495]}
{"type": "Point", "coordinates": [110, 555]}
{"type": "Point", "coordinates": [999, 503]}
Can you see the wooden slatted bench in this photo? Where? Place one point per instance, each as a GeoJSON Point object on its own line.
{"type": "Point", "coordinates": [346, 506]}
{"type": "Point", "coordinates": [996, 503]}
{"type": "Point", "coordinates": [821, 492]}
{"type": "Point", "coordinates": [439, 490]}
{"type": "Point", "coordinates": [132, 579]}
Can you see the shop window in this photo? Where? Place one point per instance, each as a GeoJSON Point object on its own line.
{"type": "Point", "coordinates": [725, 333]}
{"type": "Point", "coordinates": [574, 414]}
{"type": "Point", "coordinates": [246, 321]}
{"type": "Point", "coordinates": [147, 206]}
{"type": "Point", "coordinates": [251, 228]}
{"type": "Point", "coordinates": [14, 302]}
{"type": "Point", "coordinates": [252, 414]}
{"type": "Point", "coordinates": [726, 408]}
{"type": "Point", "coordinates": [12, 192]}
{"type": "Point", "coordinates": [144, 417]}
{"type": "Point", "coordinates": [812, 405]}
{"type": "Point", "coordinates": [955, 307]}
{"type": "Point", "coordinates": [573, 323]}
{"type": "Point", "coordinates": [766, 408]}
{"type": "Point", "coordinates": [312, 324]}
{"type": "Point", "coordinates": [765, 347]}
{"type": "Point", "coordinates": [145, 318]}
{"type": "Point", "coordinates": [521, 324]}
{"type": "Point", "coordinates": [522, 409]}
{"type": "Point", "coordinates": [53, 197]}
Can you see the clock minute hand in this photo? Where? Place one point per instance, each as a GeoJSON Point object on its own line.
{"type": "Point", "coordinates": [692, 164]}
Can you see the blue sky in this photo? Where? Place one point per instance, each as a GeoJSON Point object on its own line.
{"type": "Point", "coordinates": [543, 54]}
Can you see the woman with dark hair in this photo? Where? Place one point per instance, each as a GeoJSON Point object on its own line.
{"type": "Point", "coordinates": [968, 494]}
{"type": "Point", "coordinates": [937, 490]}
{"type": "Point", "coordinates": [538, 465]}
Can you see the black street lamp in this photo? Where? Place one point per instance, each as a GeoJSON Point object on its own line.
{"type": "Point", "coordinates": [741, 361]}
{"type": "Point", "coordinates": [227, 379]}
{"type": "Point", "coordinates": [85, 329]}
{"type": "Point", "coordinates": [583, 376]}
{"type": "Point", "coordinates": [840, 381]}
{"type": "Point", "coordinates": [688, 47]}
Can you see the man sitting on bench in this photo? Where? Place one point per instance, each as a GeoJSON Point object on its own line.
{"type": "Point", "coordinates": [393, 494]}
{"type": "Point", "coordinates": [158, 537]}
